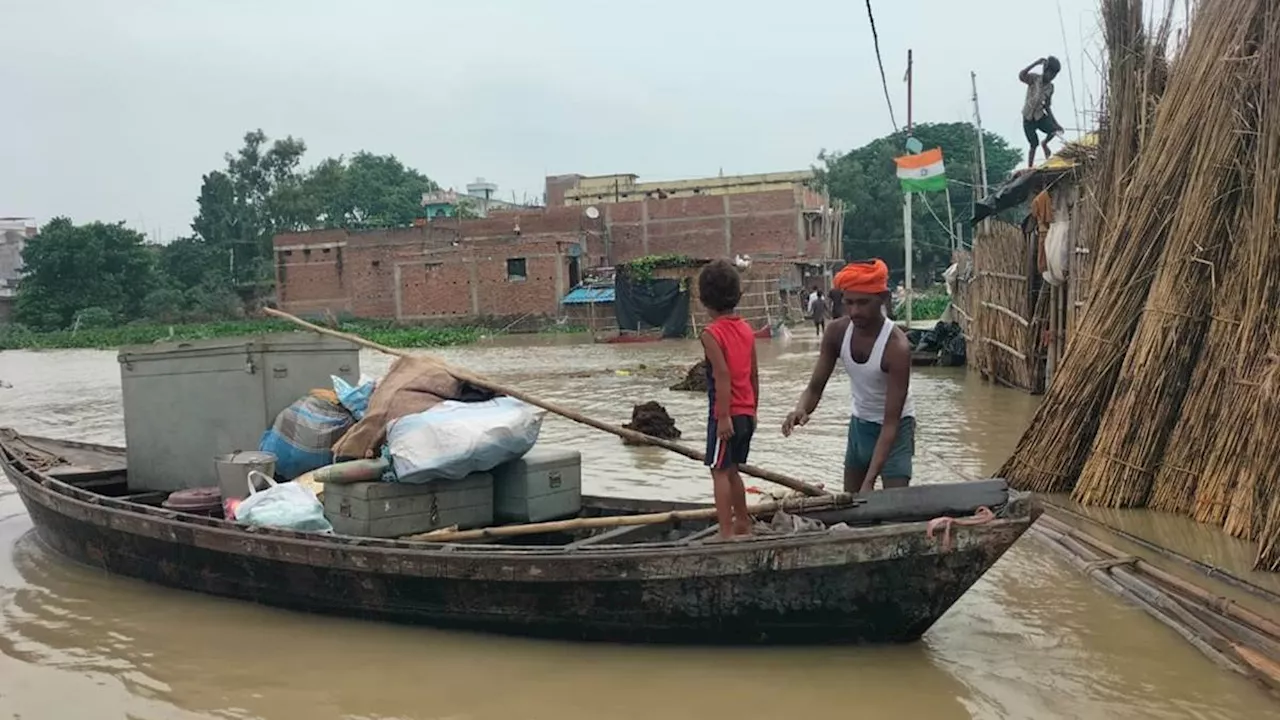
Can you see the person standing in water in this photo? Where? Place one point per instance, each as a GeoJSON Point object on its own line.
{"type": "Point", "coordinates": [818, 309]}
{"type": "Point", "coordinates": [877, 357]}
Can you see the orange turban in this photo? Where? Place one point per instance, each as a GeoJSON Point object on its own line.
{"type": "Point", "coordinates": [870, 277]}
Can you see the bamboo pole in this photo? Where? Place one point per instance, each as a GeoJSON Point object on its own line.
{"type": "Point", "coordinates": [635, 437]}
{"type": "Point", "coordinates": [1138, 595]}
{"type": "Point", "coordinates": [588, 523]}
{"type": "Point", "coordinates": [1218, 604]}
{"type": "Point", "coordinates": [1007, 313]}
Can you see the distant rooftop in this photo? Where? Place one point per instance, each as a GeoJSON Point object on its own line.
{"type": "Point", "coordinates": [624, 186]}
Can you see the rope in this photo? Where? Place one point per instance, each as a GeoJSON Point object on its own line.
{"type": "Point", "coordinates": [875, 38]}
{"type": "Point", "coordinates": [1109, 563]}
{"type": "Point", "coordinates": [981, 517]}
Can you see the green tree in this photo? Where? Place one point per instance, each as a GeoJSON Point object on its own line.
{"type": "Point", "coordinates": [189, 261]}
{"type": "Point", "coordinates": [366, 191]}
{"type": "Point", "coordinates": [865, 179]}
{"type": "Point", "coordinates": [242, 208]}
{"type": "Point", "coordinates": [69, 268]}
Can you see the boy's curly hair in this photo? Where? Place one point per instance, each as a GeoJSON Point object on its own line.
{"type": "Point", "coordinates": [719, 286]}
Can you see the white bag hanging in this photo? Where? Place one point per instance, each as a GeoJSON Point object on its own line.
{"type": "Point", "coordinates": [1057, 252]}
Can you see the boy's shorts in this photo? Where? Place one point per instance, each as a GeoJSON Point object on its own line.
{"type": "Point", "coordinates": [723, 455]}
{"type": "Point", "coordinates": [862, 445]}
{"type": "Point", "coordinates": [1046, 124]}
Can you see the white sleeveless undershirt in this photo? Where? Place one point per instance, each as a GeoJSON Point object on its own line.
{"type": "Point", "coordinates": [868, 383]}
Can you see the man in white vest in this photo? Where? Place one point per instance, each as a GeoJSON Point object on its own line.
{"type": "Point", "coordinates": [877, 357]}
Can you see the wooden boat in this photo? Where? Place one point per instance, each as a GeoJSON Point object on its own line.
{"type": "Point", "coordinates": [882, 578]}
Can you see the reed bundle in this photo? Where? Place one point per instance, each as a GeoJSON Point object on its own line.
{"type": "Point", "coordinates": [1266, 485]}
{"type": "Point", "coordinates": [1202, 126]}
{"type": "Point", "coordinates": [1240, 481]}
{"type": "Point", "coordinates": [1208, 399]}
{"type": "Point", "coordinates": [1130, 192]}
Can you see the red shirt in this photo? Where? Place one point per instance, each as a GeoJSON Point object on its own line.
{"type": "Point", "coordinates": [738, 343]}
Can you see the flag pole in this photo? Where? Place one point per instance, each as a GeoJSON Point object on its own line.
{"type": "Point", "coordinates": [906, 224]}
{"type": "Point", "coordinates": [906, 203]}
{"type": "Point", "coordinates": [951, 223]}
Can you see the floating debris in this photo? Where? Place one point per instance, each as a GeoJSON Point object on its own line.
{"type": "Point", "coordinates": [695, 380]}
{"type": "Point", "coordinates": [652, 419]}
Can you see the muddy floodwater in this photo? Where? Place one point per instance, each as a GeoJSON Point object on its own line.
{"type": "Point", "coordinates": [1033, 639]}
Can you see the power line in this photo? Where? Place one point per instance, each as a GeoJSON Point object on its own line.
{"type": "Point", "coordinates": [883, 82]}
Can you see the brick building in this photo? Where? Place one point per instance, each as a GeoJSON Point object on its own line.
{"type": "Point", "coordinates": [524, 261]}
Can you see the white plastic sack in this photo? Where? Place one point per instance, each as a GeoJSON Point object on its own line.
{"type": "Point", "coordinates": [454, 439]}
{"type": "Point", "coordinates": [287, 506]}
{"type": "Point", "coordinates": [1057, 252]}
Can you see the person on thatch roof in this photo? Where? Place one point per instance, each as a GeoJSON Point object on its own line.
{"type": "Point", "coordinates": [1037, 112]}
{"type": "Point", "coordinates": [877, 357]}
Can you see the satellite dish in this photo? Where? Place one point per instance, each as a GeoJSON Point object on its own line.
{"type": "Point", "coordinates": [592, 212]}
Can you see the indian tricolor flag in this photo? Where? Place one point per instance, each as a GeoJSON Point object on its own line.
{"type": "Point", "coordinates": [923, 172]}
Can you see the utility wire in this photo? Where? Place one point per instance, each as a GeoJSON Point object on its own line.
{"type": "Point", "coordinates": [883, 82]}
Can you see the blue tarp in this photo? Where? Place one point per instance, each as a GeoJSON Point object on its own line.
{"type": "Point", "coordinates": [587, 295]}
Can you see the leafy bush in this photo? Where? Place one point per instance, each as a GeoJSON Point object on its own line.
{"type": "Point", "coordinates": [94, 318]}
{"type": "Point", "coordinates": [924, 307]}
{"type": "Point", "coordinates": [18, 337]}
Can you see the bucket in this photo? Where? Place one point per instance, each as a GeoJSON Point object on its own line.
{"type": "Point", "coordinates": [233, 470]}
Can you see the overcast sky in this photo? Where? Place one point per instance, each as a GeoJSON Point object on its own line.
{"type": "Point", "coordinates": [113, 110]}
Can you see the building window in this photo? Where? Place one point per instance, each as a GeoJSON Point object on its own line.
{"type": "Point", "coordinates": [516, 270]}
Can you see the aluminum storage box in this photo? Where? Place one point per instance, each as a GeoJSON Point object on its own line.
{"type": "Point", "coordinates": [545, 484]}
{"type": "Point", "coordinates": [389, 510]}
{"type": "Point", "coordinates": [185, 403]}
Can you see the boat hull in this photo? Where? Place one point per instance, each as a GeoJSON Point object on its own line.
{"type": "Point", "coordinates": [871, 585]}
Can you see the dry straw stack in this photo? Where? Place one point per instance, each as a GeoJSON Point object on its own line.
{"type": "Point", "coordinates": [1127, 242]}
{"type": "Point", "coordinates": [1239, 484]}
{"type": "Point", "coordinates": [1192, 172]}
{"type": "Point", "coordinates": [1208, 400]}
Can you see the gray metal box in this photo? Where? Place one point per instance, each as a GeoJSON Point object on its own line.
{"type": "Point", "coordinates": [388, 510]}
{"type": "Point", "coordinates": [185, 403]}
{"type": "Point", "coordinates": [545, 484]}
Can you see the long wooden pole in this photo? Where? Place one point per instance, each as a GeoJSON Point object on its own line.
{"type": "Point", "coordinates": [501, 531]}
{"type": "Point", "coordinates": [1218, 604]}
{"type": "Point", "coordinates": [636, 437]}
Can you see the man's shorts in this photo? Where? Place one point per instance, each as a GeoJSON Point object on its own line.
{"type": "Point", "coordinates": [726, 454]}
{"type": "Point", "coordinates": [862, 445]}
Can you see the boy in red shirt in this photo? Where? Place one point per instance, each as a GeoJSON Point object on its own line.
{"type": "Point", "coordinates": [733, 391]}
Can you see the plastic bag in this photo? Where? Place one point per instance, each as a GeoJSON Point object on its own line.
{"type": "Point", "coordinates": [287, 506]}
{"type": "Point", "coordinates": [454, 439]}
{"type": "Point", "coordinates": [303, 435]}
{"type": "Point", "coordinates": [1057, 252]}
{"type": "Point", "coordinates": [355, 398]}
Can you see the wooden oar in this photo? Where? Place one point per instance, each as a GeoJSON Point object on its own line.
{"type": "Point", "coordinates": [641, 438]}
{"type": "Point", "coordinates": [501, 531]}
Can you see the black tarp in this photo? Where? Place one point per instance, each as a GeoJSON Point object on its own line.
{"type": "Point", "coordinates": [653, 303]}
{"type": "Point", "coordinates": [1009, 195]}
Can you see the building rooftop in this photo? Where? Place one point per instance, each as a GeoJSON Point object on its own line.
{"type": "Point", "coordinates": [624, 185]}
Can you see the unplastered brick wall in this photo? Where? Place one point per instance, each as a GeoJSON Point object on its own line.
{"type": "Point", "coordinates": [454, 269]}
{"type": "Point", "coordinates": [498, 267]}
{"type": "Point", "coordinates": [768, 223]}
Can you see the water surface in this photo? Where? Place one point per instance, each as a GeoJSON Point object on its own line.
{"type": "Point", "coordinates": [1033, 639]}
